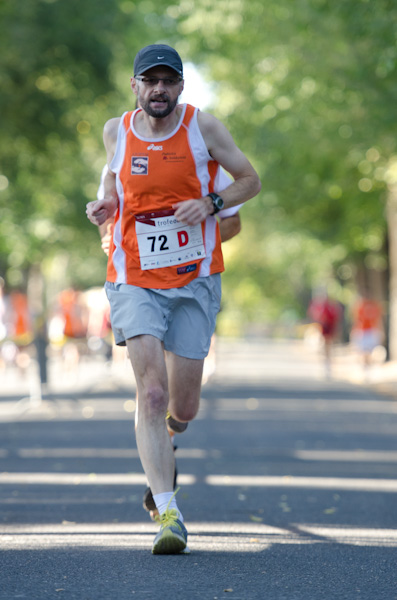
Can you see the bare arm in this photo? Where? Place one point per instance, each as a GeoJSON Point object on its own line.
{"type": "Point", "coordinates": [100, 211]}
{"type": "Point", "coordinates": [222, 148]}
{"type": "Point", "coordinates": [106, 233]}
{"type": "Point", "coordinates": [229, 227]}
{"type": "Point", "coordinates": [105, 230]}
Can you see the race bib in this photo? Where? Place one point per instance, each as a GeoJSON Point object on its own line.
{"type": "Point", "coordinates": [165, 242]}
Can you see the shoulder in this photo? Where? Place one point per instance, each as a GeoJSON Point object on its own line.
{"type": "Point", "coordinates": [110, 131]}
{"type": "Point", "coordinates": [214, 132]}
{"type": "Point", "coordinates": [111, 127]}
{"type": "Point", "coordinates": [208, 122]}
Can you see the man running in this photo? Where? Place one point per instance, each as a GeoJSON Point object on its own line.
{"type": "Point", "coordinates": [165, 260]}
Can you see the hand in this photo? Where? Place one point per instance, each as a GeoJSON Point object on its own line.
{"type": "Point", "coordinates": [193, 212]}
{"type": "Point", "coordinates": [100, 211]}
{"type": "Point", "coordinates": [106, 239]}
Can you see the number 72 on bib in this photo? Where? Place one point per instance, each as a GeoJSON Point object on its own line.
{"type": "Point", "coordinates": [165, 242]}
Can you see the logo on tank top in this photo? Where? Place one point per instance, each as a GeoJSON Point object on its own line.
{"type": "Point", "coordinates": [139, 165]}
{"type": "Point", "coordinates": [174, 157]}
{"type": "Point", "coordinates": [154, 147]}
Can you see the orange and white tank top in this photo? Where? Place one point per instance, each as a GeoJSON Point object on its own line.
{"type": "Point", "coordinates": [150, 248]}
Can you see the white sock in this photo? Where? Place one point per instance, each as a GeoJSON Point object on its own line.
{"type": "Point", "coordinates": [162, 500]}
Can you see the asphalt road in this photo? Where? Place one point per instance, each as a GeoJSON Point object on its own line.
{"type": "Point", "coordinates": [288, 487]}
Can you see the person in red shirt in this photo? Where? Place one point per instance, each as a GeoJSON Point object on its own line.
{"type": "Point", "coordinates": [327, 314]}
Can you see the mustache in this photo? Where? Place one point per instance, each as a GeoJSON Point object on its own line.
{"type": "Point", "coordinates": [160, 97]}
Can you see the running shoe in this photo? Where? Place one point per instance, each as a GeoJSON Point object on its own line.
{"type": "Point", "coordinates": [172, 537]}
{"type": "Point", "coordinates": [174, 425]}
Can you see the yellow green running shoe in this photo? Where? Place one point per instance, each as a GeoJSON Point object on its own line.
{"type": "Point", "coordinates": [172, 537]}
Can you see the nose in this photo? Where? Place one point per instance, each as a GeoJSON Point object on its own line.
{"type": "Point", "coordinates": [160, 86]}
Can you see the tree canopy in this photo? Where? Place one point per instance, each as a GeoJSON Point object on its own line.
{"type": "Point", "coordinates": [307, 89]}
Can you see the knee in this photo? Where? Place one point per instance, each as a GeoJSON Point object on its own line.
{"type": "Point", "coordinates": [185, 413]}
{"type": "Point", "coordinates": [154, 401]}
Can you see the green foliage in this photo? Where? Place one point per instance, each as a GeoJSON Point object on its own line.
{"type": "Point", "coordinates": [55, 68]}
{"type": "Point", "coordinates": [307, 89]}
{"type": "Point", "coordinates": [58, 89]}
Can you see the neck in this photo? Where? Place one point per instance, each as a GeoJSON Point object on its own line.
{"type": "Point", "coordinates": [152, 127]}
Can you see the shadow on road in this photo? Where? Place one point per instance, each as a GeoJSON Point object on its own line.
{"type": "Point", "coordinates": [288, 487]}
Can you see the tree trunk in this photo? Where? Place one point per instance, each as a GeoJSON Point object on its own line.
{"type": "Point", "coordinates": [392, 230]}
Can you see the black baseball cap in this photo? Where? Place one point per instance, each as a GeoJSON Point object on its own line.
{"type": "Point", "coordinates": [155, 55]}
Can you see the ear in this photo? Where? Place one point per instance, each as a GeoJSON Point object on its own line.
{"type": "Point", "coordinates": [182, 86]}
{"type": "Point", "coordinates": [134, 85]}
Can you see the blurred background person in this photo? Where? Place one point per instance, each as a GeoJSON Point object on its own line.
{"type": "Point", "coordinates": [229, 226]}
{"type": "Point", "coordinates": [16, 331]}
{"type": "Point", "coordinates": [367, 328]}
{"type": "Point", "coordinates": [73, 314]}
{"type": "Point", "coordinates": [327, 314]}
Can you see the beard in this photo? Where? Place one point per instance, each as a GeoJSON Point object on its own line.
{"type": "Point", "coordinates": [158, 113]}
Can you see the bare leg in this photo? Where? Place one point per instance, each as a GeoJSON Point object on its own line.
{"type": "Point", "coordinates": [154, 444]}
{"type": "Point", "coordinates": [184, 382]}
{"type": "Point", "coordinates": [328, 354]}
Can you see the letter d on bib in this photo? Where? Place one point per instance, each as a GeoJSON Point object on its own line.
{"type": "Point", "coordinates": [183, 238]}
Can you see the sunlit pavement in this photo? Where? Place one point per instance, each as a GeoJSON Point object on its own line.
{"type": "Point", "coordinates": [288, 483]}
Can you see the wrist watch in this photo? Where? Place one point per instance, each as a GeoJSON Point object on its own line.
{"type": "Point", "coordinates": [217, 202]}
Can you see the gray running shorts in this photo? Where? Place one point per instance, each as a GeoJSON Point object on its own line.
{"type": "Point", "coordinates": [182, 318]}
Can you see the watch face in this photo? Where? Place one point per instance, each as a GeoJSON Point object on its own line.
{"type": "Point", "coordinates": [217, 202]}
